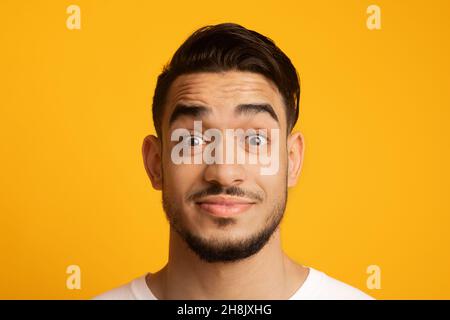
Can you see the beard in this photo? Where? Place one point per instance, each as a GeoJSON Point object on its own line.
{"type": "Point", "coordinates": [215, 250]}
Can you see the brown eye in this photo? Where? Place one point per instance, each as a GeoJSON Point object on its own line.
{"type": "Point", "coordinates": [193, 140]}
{"type": "Point", "coordinates": [256, 140]}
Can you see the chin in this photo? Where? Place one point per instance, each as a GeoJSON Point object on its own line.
{"type": "Point", "coordinates": [224, 235]}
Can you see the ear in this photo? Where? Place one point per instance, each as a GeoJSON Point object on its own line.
{"type": "Point", "coordinates": [151, 152]}
{"type": "Point", "coordinates": [296, 147]}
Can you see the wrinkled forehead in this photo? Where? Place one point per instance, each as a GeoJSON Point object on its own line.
{"type": "Point", "coordinates": [223, 92]}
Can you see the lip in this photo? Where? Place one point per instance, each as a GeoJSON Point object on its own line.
{"type": "Point", "coordinates": [220, 206]}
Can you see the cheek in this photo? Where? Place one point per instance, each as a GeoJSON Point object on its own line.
{"type": "Point", "coordinates": [180, 179]}
{"type": "Point", "coordinates": [283, 163]}
{"type": "Point", "coordinates": [274, 186]}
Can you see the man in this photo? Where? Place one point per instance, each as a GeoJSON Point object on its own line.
{"type": "Point", "coordinates": [224, 216]}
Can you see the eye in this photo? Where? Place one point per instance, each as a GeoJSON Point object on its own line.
{"type": "Point", "coordinates": [256, 140]}
{"type": "Point", "coordinates": [194, 140]}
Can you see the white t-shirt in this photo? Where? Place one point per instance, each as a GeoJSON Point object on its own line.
{"type": "Point", "coordinates": [317, 286]}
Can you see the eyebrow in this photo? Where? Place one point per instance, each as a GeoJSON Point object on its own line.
{"type": "Point", "coordinates": [198, 111]}
{"type": "Point", "coordinates": [253, 109]}
{"type": "Point", "coordinates": [193, 111]}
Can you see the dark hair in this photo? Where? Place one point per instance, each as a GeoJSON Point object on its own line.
{"type": "Point", "coordinates": [229, 46]}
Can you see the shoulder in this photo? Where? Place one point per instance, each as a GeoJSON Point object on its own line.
{"type": "Point", "coordinates": [133, 290]}
{"type": "Point", "coordinates": [320, 286]}
{"type": "Point", "coordinates": [335, 289]}
{"type": "Point", "coordinates": [120, 293]}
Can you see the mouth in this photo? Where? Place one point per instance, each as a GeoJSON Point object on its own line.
{"type": "Point", "coordinates": [220, 206]}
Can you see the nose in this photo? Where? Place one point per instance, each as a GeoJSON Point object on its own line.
{"type": "Point", "coordinates": [224, 174]}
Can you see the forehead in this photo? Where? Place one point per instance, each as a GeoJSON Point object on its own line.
{"type": "Point", "coordinates": [223, 91]}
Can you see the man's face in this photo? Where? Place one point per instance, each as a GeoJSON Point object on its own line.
{"type": "Point", "coordinates": [224, 211]}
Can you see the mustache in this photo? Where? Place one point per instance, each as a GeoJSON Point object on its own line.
{"type": "Point", "coordinates": [214, 190]}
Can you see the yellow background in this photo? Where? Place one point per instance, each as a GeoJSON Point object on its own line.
{"type": "Point", "coordinates": [76, 104]}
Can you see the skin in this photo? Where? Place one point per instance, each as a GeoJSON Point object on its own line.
{"type": "Point", "coordinates": [268, 274]}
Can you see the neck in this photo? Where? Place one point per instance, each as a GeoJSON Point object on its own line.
{"type": "Point", "coordinates": [268, 274]}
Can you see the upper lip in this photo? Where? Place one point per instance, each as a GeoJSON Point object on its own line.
{"type": "Point", "coordinates": [221, 200]}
